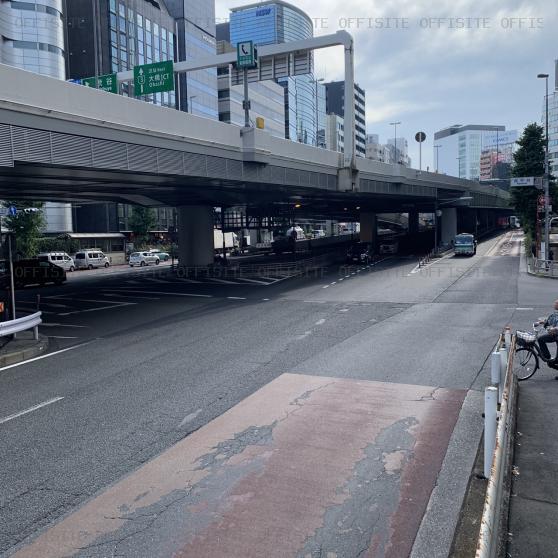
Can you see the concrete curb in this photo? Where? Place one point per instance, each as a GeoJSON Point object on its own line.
{"type": "Point", "coordinates": [437, 529]}
{"type": "Point", "coordinates": [34, 349]}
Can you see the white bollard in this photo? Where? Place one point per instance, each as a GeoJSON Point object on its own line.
{"type": "Point", "coordinates": [490, 425]}
{"type": "Point", "coordinates": [495, 369]}
{"type": "Point", "coordinates": [507, 337]}
{"type": "Point", "coordinates": [503, 370]}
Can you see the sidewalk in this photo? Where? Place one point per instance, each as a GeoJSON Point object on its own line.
{"type": "Point", "coordinates": [533, 515]}
{"type": "Point", "coordinates": [23, 348]}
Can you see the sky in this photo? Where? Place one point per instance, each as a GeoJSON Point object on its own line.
{"type": "Point", "coordinates": [433, 63]}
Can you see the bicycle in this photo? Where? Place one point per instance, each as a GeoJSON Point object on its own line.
{"type": "Point", "coordinates": [528, 354]}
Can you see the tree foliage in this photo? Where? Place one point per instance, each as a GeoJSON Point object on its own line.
{"type": "Point", "coordinates": [141, 221]}
{"type": "Point", "coordinates": [26, 227]}
{"type": "Point", "coordinates": [529, 161]}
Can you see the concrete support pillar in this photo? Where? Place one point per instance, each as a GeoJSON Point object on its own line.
{"type": "Point", "coordinates": [413, 222]}
{"type": "Point", "coordinates": [195, 236]}
{"type": "Point", "coordinates": [449, 225]}
{"type": "Point", "coordinates": [368, 227]}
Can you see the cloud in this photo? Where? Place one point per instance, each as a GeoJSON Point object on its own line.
{"type": "Point", "coordinates": [431, 63]}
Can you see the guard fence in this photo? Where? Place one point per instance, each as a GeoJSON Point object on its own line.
{"type": "Point", "coordinates": [500, 405]}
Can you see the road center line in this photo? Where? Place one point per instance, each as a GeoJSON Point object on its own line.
{"type": "Point", "coordinates": [165, 293]}
{"type": "Point", "coordinates": [31, 409]}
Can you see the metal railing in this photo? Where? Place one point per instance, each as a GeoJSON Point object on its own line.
{"type": "Point", "coordinates": [12, 327]}
{"type": "Point", "coordinates": [548, 268]}
{"type": "Point", "coordinates": [498, 438]}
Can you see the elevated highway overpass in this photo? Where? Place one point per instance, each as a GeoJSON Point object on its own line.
{"type": "Point", "coordinates": [63, 142]}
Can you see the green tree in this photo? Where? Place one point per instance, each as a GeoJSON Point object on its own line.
{"type": "Point", "coordinates": [529, 161]}
{"type": "Point", "coordinates": [141, 221]}
{"type": "Point", "coordinates": [27, 227]}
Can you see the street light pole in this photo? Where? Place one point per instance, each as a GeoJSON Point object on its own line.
{"type": "Point", "coordinates": [191, 106]}
{"type": "Point", "coordinates": [437, 148]}
{"type": "Point", "coordinates": [546, 178]}
{"type": "Point", "coordinates": [317, 110]}
{"type": "Point", "coordinates": [395, 124]}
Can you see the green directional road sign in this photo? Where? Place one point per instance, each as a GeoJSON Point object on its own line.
{"type": "Point", "coordinates": [107, 82]}
{"type": "Point", "coordinates": [89, 82]}
{"type": "Point", "coordinates": [246, 55]}
{"type": "Point", "coordinates": [153, 78]}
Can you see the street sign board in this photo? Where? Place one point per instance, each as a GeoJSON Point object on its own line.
{"type": "Point", "coordinates": [12, 210]}
{"type": "Point", "coordinates": [522, 181]}
{"type": "Point", "coordinates": [420, 137]}
{"type": "Point", "coordinates": [246, 55]}
{"type": "Point", "coordinates": [154, 78]}
{"type": "Point", "coordinates": [89, 82]}
{"type": "Point", "coordinates": [107, 82]}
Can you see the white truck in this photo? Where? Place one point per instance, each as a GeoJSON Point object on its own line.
{"type": "Point", "coordinates": [231, 240]}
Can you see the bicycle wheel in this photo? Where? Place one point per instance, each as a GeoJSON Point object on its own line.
{"type": "Point", "coordinates": [525, 363]}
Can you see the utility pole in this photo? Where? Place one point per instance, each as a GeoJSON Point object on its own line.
{"type": "Point", "coordinates": [546, 178]}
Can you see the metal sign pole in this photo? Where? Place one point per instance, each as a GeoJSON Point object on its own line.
{"type": "Point", "coordinates": [12, 286]}
{"type": "Point", "coordinates": [246, 100]}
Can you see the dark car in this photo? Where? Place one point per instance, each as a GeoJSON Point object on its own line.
{"type": "Point", "coordinates": [33, 272]}
{"type": "Point", "coordinates": [359, 253]}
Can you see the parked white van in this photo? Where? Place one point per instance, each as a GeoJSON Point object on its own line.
{"type": "Point", "coordinates": [88, 259]}
{"type": "Point", "coordinates": [61, 259]}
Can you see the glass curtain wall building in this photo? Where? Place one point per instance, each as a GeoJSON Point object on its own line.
{"type": "Point", "coordinates": [279, 22]}
{"type": "Point", "coordinates": [115, 35]}
{"type": "Point", "coordinates": [195, 31]}
{"type": "Point", "coordinates": [32, 38]}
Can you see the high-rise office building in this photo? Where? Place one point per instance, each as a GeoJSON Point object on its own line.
{"type": "Point", "coordinates": [272, 22]}
{"type": "Point", "coordinates": [266, 97]}
{"type": "Point", "coordinates": [335, 103]}
{"type": "Point", "coordinates": [374, 149]}
{"type": "Point", "coordinates": [116, 35]}
{"type": "Point", "coordinates": [552, 123]}
{"type": "Point", "coordinates": [32, 38]}
{"type": "Point", "coordinates": [397, 151]}
{"type": "Point", "coordinates": [113, 36]}
{"type": "Point", "coordinates": [458, 148]}
{"type": "Point", "coordinates": [196, 38]}
{"type": "Point", "coordinates": [335, 133]}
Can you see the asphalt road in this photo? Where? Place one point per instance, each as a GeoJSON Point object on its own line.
{"type": "Point", "coordinates": [146, 359]}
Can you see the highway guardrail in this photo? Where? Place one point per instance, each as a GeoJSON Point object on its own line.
{"type": "Point", "coordinates": [11, 327]}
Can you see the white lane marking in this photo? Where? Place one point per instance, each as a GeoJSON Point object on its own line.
{"type": "Point", "coordinates": [30, 303]}
{"type": "Point", "coordinates": [326, 287]}
{"type": "Point", "coordinates": [184, 280]}
{"type": "Point", "coordinates": [320, 322]}
{"type": "Point", "coordinates": [132, 296]}
{"type": "Point", "coordinates": [236, 298]}
{"type": "Point", "coordinates": [48, 355]}
{"type": "Point", "coordinates": [314, 301]}
{"type": "Point", "coordinates": [525, 309]}
{"type": "Point", "coordinates": [334, 283]}
{"type": "Point", "coordinates": [344, 310]}
{"type": "Point", "coordinates": [61, 337]}
{"type": "Point", "coordinates": [221, 281]}
{"type": "Point", "coordinates": [256, 281]}
{"type": "Point", "coordinates": [265, 299]}
{"type": "Point", "coordinates": [166, 293]}
{"type": "Point", "coordinates": [420, 268]}
{"type": "Point", "coordinates": [113, 305]}
{"type": "Point", "coordinates": [54, 324]}
{"type": "Point", "coordinates": [190, 417]}
{"type": "Point", "coordinates": [31, 409]}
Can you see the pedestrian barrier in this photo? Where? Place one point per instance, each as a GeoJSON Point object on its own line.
{"type": "Point", "coordinates": [547, 268]}
{"type": "Point", "coordinates": [12, 327]}
{"type": "Point", "coordinates": [500, 413]}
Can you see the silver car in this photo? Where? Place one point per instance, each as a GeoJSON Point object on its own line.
{"type": "Point", "coordinates": [143, 258]}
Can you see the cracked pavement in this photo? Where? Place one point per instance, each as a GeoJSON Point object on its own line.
{"type": "Point", "coordinates": [160, 372]}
